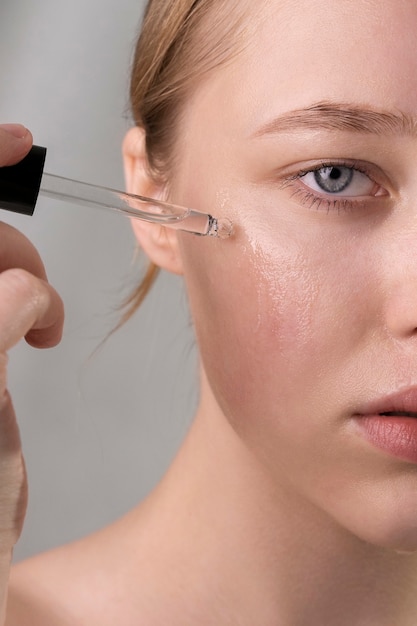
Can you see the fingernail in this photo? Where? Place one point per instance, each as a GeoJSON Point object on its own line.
{"type": "Point", "coordinates": [17, 130]}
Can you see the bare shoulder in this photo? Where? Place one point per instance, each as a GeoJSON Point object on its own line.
{"type": "Point", "coordinates": [25, 607]}
{"type": "Point", "coordinates": [40, 592]}
{"type": "Point", "coordinates": [66, 586]}
{"type": "Point", "coordinates": [86, 582]}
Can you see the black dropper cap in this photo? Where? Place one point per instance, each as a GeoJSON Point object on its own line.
{"type": "Point", "coordinates": [20, 183]}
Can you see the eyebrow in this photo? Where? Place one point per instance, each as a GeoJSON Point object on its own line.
{"type": "Point", "coordinates": [341, 117]}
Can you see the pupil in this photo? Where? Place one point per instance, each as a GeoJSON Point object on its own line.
{"type": "Point", "coordinates": [333, 179]}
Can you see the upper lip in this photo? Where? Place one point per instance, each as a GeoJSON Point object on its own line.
{"type": "Point", "coordinates": [404, 401]}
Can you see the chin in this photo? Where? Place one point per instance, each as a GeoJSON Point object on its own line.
{"type": "Point", "coordinates": [401, 541]}
{"type": "Point", "coordinates": [391, 529]}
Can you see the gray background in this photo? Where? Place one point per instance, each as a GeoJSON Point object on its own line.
{"type": "Point", "coordinates": [98, 429]}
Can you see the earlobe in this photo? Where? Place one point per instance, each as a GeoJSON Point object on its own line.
{"type": "Point", "coordinates": [159, 243]}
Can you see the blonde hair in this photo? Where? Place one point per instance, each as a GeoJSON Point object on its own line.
{"type": "Point", "coordinates": [176, 47]}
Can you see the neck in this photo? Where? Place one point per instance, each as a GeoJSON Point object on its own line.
{"type": "Point", "coordinates": [242, 550]}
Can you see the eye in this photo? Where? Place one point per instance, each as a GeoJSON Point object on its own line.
{"type": "Point", "coordinates": [341, 180]}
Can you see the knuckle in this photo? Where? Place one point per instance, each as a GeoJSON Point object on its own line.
{"type": "Point", "coordinates": [19, 279]}
{"type": "Point", "coordinates": [24, 300]}
{"type": "Point", "coordinates": [23, 285]}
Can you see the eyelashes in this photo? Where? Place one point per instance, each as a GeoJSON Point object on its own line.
{"type": "Point", "coordinates": [334, 186]}
{"type": "Point", "coordinates": [314, 201]}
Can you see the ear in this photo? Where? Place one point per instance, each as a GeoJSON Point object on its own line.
{"type": "Point", "coordinates": [159, 243]}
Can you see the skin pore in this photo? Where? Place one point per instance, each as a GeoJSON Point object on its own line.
{"type": "Point", "coordinates": [276, 511]}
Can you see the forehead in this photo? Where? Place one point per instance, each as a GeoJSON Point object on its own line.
{"type": "Point", "coordinates": [299, 52]}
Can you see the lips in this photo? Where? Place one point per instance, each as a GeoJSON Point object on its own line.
{"type": "Point", "coordinates": [390, 424]}
{"type": "Point", "coordinates": [398, 414]}
{"type": "Point", "coordinates": [402, 404]}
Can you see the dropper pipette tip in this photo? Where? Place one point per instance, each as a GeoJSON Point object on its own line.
{"type": "Point", "coordinates": [221, 228]}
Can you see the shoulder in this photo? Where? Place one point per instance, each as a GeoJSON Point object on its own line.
{"type": "Point", "coordinates": [84, 582]}
{"type": "Point", "coordinates": [38, 594]}
{"type": "Point", "coordinates": [102, 579]}
{"type": "Point", "coordinates": [62, 587]}
{"type": "Point", "coordinates": [25, 607]}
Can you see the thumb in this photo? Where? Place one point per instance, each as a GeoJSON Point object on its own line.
{"type": "Point", "coordinates": [15, 143]}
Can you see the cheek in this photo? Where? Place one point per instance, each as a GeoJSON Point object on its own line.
{"type": "Point", "coordinates": [255, 309]}
{"type": "Point", "coordinates": [277, 323]}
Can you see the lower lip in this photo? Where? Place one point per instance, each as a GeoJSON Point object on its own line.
{"type": "Point", "coordinates": [395, 435]}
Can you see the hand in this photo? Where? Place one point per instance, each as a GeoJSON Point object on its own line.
{"type": "Point", "coordinates": [30, 308]}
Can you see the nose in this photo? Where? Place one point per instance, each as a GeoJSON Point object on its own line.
{"type": "Point", "coordinates": [402, 312]}
{"type": "Point", "coordinates": [401, 287]}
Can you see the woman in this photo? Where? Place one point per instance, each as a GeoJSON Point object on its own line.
{"type": "Point", "coordinates": [293, 499]}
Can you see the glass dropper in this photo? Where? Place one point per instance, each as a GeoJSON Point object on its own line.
{"type": "Point", "coordinates": [21, 184]}
{"type": "Point", "coordinates": [140, 207]}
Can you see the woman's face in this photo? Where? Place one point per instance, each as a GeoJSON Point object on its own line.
{"type": "Point", "coordinates": [307, 141]}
